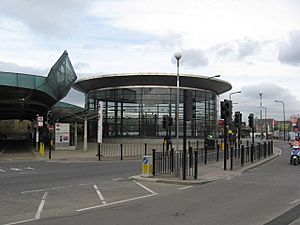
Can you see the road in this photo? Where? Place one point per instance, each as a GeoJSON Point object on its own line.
{"type": "Point", "coordinates": [99, 193]}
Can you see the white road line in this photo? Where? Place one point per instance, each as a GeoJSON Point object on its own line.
{"type": "Point", "coordinates": [295, 201]}
{"type": "Point", "coordinates": [22, 221]}
{"type": "Point", "coordinates": [31, 191]}
{"type": "Point", "coordinates": [39, 211]}
{"type": "Point", "coordinates": [118, 179]}
{"type": "Point", "coordinates": [44, 189]}
{"type": "Point", "coordinates": [115, 203]}
{"type": "Point", "coordinates": [29, 168]}
{"type": "Point", "coordinates": [3, 171]}
{"type": "Point", "coordinates": [99, 194]}
{"type": "Point", "coordinates": [147, 189]}
{"type": "Point", "coordinates": [186, 187]}
{"type": "Point", "coordinates": [15, 169]}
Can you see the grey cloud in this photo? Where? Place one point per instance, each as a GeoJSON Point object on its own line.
{"type": "Point", "coordinates": [247, 47]}
{"type": "Point", "coordinates": [192, 58]}
{"type": "Point", "coordinates": [238, 49]}
{"type": "Point", "coordinates": [56, 17]}
{"type": "Point", "coordinates": [289, 51]}
{"type": "Point", "coordinates": [249, 101]}
{"type": "Point", "coordinates": [11, 67]}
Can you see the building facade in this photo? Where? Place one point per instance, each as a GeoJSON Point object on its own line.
{"type": "Point", "coordinates": [135, 104]}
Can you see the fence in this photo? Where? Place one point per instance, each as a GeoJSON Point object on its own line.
{"type": "Point", "coordinates": [172, 163]}
{"type": "Point", "coordinates": [126, 151]}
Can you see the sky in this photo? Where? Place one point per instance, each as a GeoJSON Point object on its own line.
{"type": "Point", "coordinates": [254, 45]}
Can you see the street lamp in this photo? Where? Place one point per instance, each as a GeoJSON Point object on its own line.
{"type": "Point", "coordinates": [178, 57]}
{"type": "Point", "coordinates": [236, 92]}
{"type": "Point", "coordinates": [283, 109]}
{"type": "Point", "coordinates": [266, 124]}
{"type": "Point", "coordinates": [205, 121]}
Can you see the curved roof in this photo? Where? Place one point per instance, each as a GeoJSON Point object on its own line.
{"type": "Point", "coordinates": [152, 79]}
{"type": "Point", "coordinates": [22, 96]}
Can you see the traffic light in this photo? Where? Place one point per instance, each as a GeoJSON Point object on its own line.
{"type": "Point", "coordinates": [251, 120]}
{"type": "Point", "coordinates": [170, 121]}
{"type": "Point", "coordinates": [165, 122]}
{"type": "Point", "coordinates": [226, 110]}
{"type": "Point", "coordinates": [190, 102]}
{"type": "Point", "coordinates": [237, 119]}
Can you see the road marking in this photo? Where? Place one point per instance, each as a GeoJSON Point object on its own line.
{"type": "Point", "coordinates": [116, 179]}
{"type": "Point", "coordinates": [39, 211]}
{"type": "Point", "coordinates": [22, 221]}
{"type": "Point", "coordinates": [295, 201]}
{"type": "Point", "coordinates": [117, 202]}
{"type": "Point", "coordinates": [44, 189]}
{"type": "Point", "coordinates": [15, 169]}
{"type": "Point", "coordinates": [147, 189]}
{"type": "Point", "coordinates": [29, 168]}
{"type": "Point", "coordinates": [99, 194]}
{"type": "Point", "coordinates": [186, 187]}
{"type": "Point", "coordinates": [3, 171]}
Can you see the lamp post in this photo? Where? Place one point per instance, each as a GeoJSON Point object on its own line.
{"type": "Point", "coordinates": [178, 57]}
{"type": "Point", "coordinates": [260, 106]}
{"type": "Point", "coordinates": [283, 109]}
{"type": "Point", "coordinates": [236, 92]}
{"type": "Point", "coordinates": [205, 121]}
{"type": "Point", "coordinates": [266, 124]}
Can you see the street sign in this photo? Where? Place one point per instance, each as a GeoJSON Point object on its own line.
{"type": "Point", "coordinates": [40, 121]}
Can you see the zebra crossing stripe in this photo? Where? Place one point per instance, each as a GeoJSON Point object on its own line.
{"type": "Point", "coordinates": [3, 171]}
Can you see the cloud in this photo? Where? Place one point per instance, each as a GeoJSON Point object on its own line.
{"type": "Point", "coordinates": [238, 49]}
{"type": "Point", "coordinates": [192, 58]}
{"type": "Point", "coordinates": [55, 18]}
{"type": "Point", "coordinates": [249, 100]}
{"type": "Point", "coordinates": [247, 47]}
{"type": "Point", "coordinates": [289, 50]}
{"type": "Point", "coordinates": [81, 66]}
{"type": "Point", "coordinates": [12, 67]}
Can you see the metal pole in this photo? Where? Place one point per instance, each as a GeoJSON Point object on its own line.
{"type": "Point", "coordinates": [260, 106]}
{"type": "Point", "coordinates": [283, 121]}
{"type": "Point", "coordinates": [178, 57]}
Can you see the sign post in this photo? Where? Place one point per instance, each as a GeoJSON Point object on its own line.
{"type": "Point", "coordinates": [40, 123]}
{"type": "Point", "coordinates": [99, 130]}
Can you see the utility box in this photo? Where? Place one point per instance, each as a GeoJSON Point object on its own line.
{"type": "Point", "coordinates": [147, 166]}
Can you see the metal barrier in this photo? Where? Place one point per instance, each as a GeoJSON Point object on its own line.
{"type": "Point", "coordinates": [172, 162]}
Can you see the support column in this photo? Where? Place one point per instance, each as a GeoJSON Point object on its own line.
{"type": "Point", "coordinates": [85, 135]}
{"type": "Point", "coordinates": [75, 135]}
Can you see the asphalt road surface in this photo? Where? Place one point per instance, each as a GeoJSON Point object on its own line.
{"type": "Point", "coordinates": [51, 192]}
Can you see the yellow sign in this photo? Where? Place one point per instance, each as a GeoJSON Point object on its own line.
{"type": "Point", "coordinates": [42, 149]}
{"type": "Point", "coordinates": [147, 166]}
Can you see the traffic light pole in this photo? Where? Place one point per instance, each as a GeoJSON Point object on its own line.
{"type": "Point", "coordinates": [252, 135]}
{"type": "Point", "coordinates": [225, 142]}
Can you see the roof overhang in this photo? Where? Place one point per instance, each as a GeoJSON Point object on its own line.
{"type": "Point", "coordinates": [217, 86]}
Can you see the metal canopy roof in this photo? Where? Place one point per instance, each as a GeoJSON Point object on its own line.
{"type": "Point", "coordinates": [23, 96]}
{"type": "Point", "coordinates": [152, 79]}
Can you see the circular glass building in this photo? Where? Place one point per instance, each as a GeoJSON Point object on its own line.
{"type": "Point", "coordinates": [143, 105]}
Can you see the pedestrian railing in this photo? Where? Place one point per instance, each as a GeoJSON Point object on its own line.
{"type": "Point", "coordinates": [172, 163]}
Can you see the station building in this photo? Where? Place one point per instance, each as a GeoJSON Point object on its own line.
{"type": "Point", "coordinates": [136, 103]}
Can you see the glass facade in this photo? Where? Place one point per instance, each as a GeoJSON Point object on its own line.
{"type": "Point", "coordinates": [139, 111]}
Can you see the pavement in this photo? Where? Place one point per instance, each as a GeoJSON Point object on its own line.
{"type": "Point", "coordinates": [210, 172]}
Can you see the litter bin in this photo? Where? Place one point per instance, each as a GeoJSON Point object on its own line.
{"type": "Point", "coordinates": [147, 166]}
